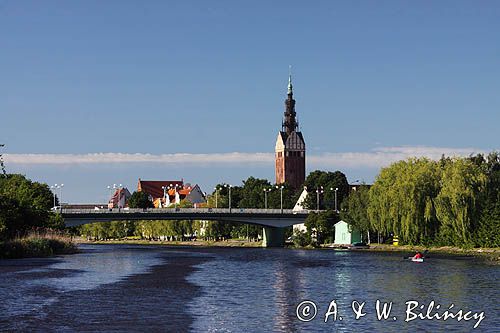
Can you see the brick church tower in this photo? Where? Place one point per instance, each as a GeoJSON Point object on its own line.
{"type": "Point", "coordinates": [290, 146]}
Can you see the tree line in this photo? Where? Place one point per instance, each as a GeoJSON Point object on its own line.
{"type": "Point", "coordinates": [452, 201]}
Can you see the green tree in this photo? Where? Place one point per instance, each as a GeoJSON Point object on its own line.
{"type": "Point", "coordinates": [140, 200]}
{"type": "Point", "coordinates": [26, 205]}
{"type": "Point", "coordinates": [290, 196]}
{"type": "Point", "coordinates": [321, 226]}
{"type": "Point", "coordinates": [325, 182]}
{"type": "Point", "coordinates": [11, 216]}
{"type": "Point", "coordinates": [458, 202]}
{"type": "Point", "coordinates": [401, 201]}
{"type": "Point", "coordinates": [355, 210]}
{"type": "Point", "coordinates": [487, 232]}
{"type": "Point", "coordinates": [252, 193]}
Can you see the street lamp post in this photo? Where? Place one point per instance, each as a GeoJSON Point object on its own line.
{"type": "Point", "coordinates": [171, 186]}
{"type": "Point", "coordinates": [60, 195]}
{"type": "Point", "coordinates": [281, 197]}
{"type": "Point", "coordinates": [112, 190]}
{"type": "Point", "coordinates": [266, 191]}
{"type": "Point", "coordinates": [53, 188]}
{"type": "Point", "coordinates": [318, 191]}
{"type": "Point", "coordinates": [164, 188]}
{"type": "Point", "coordinates": [56, 187]}
{"type": "Point", "coordinates": [216, 195]}
{"type": "Point", "coordinates": [336, 210]}
{"type": "Point", "coordinates": [229, 187]}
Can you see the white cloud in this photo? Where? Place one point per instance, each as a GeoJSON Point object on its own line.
{"type": "Point", "coordinates": [383, 156]}
{"type": "Point", "coordinates": [375, 158]}
{"type": "Point", "coordinates": [121, 158]}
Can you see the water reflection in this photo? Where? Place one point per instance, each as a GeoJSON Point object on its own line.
{"type": "Point", "coordinates": [238, 290]}
{"type": "Point", "coordinates": [98, 268]}
{"type": "Point", "coordinates": [258, 290]}
{"type": "Point", "coordinates": [29, 290]}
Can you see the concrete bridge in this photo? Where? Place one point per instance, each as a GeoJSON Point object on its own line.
{"type": "Point", "coordinates": [272, 220]}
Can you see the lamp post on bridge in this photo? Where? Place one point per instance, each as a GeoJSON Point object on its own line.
{"type": "Point", "coordinates": [266, 191]}
{"type": "Point", "coordinates": [216, 195]}
{"type": "Point", "coordinates": [229, 187]}
{"type": "Point", "coordinates": [174, 187]}
{"type": "Point", "coordinates": [113, 189]}
{"type": "Point", "coordinates": [281, 196]}
{"type": "Point", "coordinates": [319, 190]}
{"type": "Point", "coordinates": [335, 189]}
{"type": "Point", "coordinates": [110, 195]}
{"type": "Point", "coordinates": [56, 187]}
{"type": "Point", "coordinates": [336, 209]}
{"type": "Point", "coordinates": [164, 188]}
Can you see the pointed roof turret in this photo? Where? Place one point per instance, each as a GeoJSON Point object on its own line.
{"type": "Point", "coordinates": [289, 124]}
{"type": "Point", "coordinates": [290, 87]}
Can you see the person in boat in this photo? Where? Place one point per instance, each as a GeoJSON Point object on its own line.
{"type": "Point", "coordinates": [418, 255]}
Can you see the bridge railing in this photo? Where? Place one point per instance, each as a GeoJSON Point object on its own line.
{"type": "Point", "coordinates": [183, 211]}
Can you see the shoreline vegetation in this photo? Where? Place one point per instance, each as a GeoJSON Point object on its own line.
{"type": "Point", "coordinates": [451, 205]}
{"type": "Point", "coordinates": [37, 245]}
{"type": "Point", "coordinates": [491, 255]}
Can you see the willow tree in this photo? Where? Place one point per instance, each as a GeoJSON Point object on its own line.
{"type": "Point", "coordinates": [420, 184]}
{"type": "Point", "coordinates": [380, 201]}
{"type": "Point", "coordinates": [401, 199]}
{"type": "Point", "coordinates": [458, 202]}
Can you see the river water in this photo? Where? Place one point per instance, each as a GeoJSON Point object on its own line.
{"type": "Point", "coordinates": [117, 288]}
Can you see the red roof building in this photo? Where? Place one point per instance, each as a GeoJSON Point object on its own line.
{"type": "Point", "coordinates": [163, 193]}
{"type": "Point", "coordinates": [119, 198]}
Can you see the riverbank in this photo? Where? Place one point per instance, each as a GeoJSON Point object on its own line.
{"type": "Point", "coordinates": [195, 243]}
{"type": "Point", "coordinates": [490, 254]}
{"type": "Point", "coordinates": [36, 247]}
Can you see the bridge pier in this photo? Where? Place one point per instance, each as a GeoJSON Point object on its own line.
{"type": "Point", "coordinates": [273, 237]}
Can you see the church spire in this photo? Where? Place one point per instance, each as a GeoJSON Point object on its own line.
{"type": "Point", "coordinates": [289, 122]}
{"type": "Point", "coordinates": [290, 87]}
{"type": "Point", "coordinates": [290, 148]}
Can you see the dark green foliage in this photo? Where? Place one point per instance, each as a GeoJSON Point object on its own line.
{"type": "Point", "coordinates": [290, 197]}
{"type": "Point", "coordinates": [488, 230]}
{"type": "Point", "coordinates": [140, 200]}
{"type": "Point", "coordinates": [321, 226]}
{"type": "Point", "coordinates": [252, 193]}
{"type": "Point", "coordinates": [301, 238]}
{"type": "Point", "coordinates": [24, 205]}
{"type": "Point", "coordinates": [326, 182]}
{"type": "Point", "coordinates": [355, 209]}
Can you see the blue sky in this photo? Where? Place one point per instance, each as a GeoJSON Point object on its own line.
{"type": "Point", "coordinates": [88, 85]}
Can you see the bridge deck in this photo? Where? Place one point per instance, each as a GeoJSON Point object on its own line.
{"type": "Point", "coordinates": [264, 217]}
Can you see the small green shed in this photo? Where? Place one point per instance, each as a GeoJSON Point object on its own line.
{"type": "Point", "coordinates": [344, 235]}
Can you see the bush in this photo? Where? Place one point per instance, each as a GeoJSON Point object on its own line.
{"type": "Point", "coordinates": [301, 238]}
{"type": "Point", "coordinates": [36, 247]}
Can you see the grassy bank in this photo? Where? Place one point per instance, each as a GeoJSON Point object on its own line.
{"type": "Point", "coordinates": [35, 246]}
